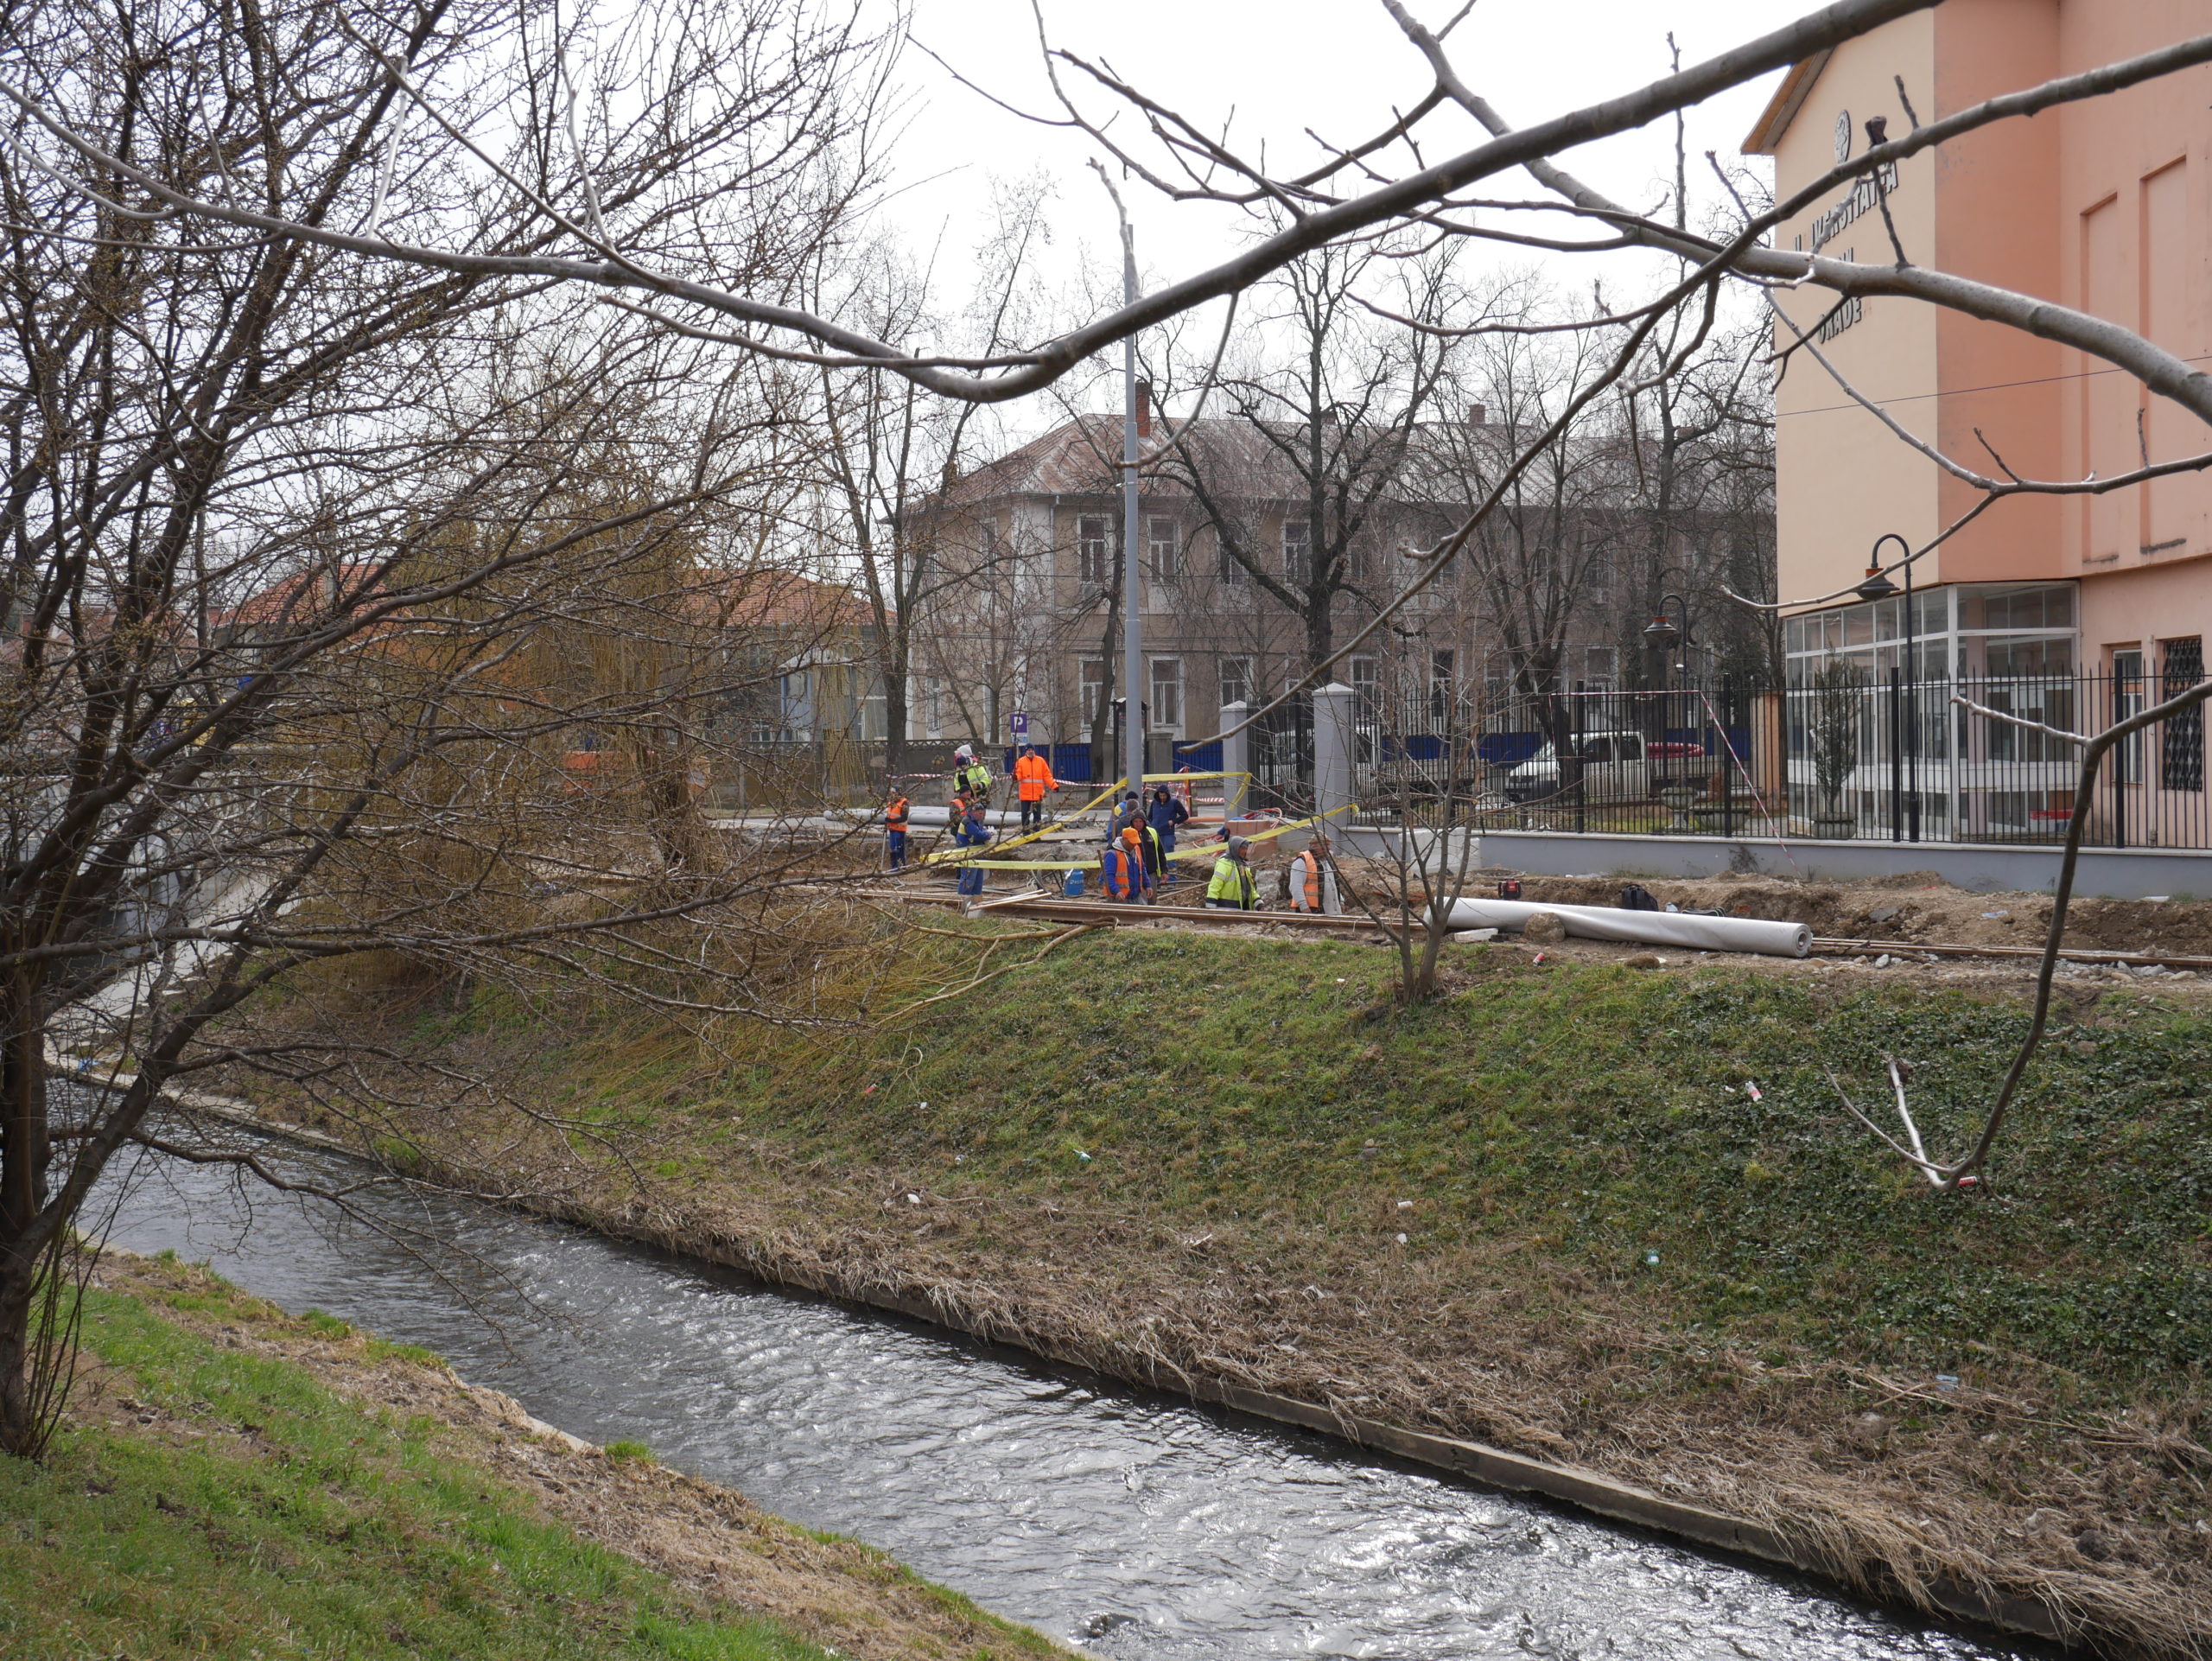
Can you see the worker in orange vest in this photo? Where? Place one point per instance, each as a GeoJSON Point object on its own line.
{"type": "Point", "coordinates": [1121, 874]}
{"type": "Point", "coordinates": [895, 813]}
{"type": "Point", "coordinates": [1312, 882]}
{"type": "Point", "coordinates": [1032, 777]}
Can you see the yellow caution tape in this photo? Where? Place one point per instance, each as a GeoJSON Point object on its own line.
{"type": "Point", "coordinates": [1198, 850]}
{"type": "Point", "coordinates": [951, 856]}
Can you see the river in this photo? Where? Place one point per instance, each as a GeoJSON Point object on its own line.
{"type": "Point", "coordinates": [1136, 1524]}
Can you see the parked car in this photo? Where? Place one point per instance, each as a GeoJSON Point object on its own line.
{"type": "Point", "coordinates": [1616, 767]}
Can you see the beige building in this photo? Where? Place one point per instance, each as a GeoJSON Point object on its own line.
{"type": "Point", "coordinates": [2100, 205]}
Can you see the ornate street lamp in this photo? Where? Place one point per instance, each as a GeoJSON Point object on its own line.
{"type": "Point", "coordinates": [1878, 586]}
{"type": "Point", "coordinates": [1663, 636]}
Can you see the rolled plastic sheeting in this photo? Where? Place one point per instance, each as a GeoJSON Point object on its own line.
{"type": "Point", "coordinates": [1758, 934]}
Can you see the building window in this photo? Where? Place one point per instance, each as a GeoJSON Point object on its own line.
{"type": "Point", "coordinates": [1600, 668]}
{"type": "Point", "coordinates": [1597, 581]}
{"type": "Point", "coordinates": [1167, 692]}
{"type": "Point", "coordinates": [1092, 679]}
{"type": "Point", "coordinates": [1235, 680]}
{"type": "Point", "coordinates": [1163, 540]}
{"type": "Point", "coordinates": [1227, 567]}
{"type": "Point", "coordinates": [1441, 694]}
{"type": "Point", "coordinates": [1366, 681]}
{"type": "Point", "coordinates": [1094, 549]}
{"type": "Point", "coordinates": [2183, 751]}
{"type": "Point", "coordinates": [1297, 551]}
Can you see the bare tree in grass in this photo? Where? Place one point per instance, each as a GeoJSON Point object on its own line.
{"type": "Point", "coordinates": [1428, 859]}
{"type": "Point", "coordinates": [1949, 1174]}
{"type": "Point", "coordinates": [309, 566]}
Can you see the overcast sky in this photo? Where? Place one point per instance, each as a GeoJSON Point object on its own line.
{"type": "Point", "coordinates": [1272, 68]}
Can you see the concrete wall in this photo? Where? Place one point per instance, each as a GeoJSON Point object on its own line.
{"type": "Point", "coordinates": [2110, 873]}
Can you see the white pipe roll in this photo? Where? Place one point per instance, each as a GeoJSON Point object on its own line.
{"type": "Point", "coordinates": [1758, 934]}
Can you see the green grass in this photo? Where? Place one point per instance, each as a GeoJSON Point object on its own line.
{"type": "Point", "coordinates": [289, 1522]}
{"type": "Point", "coordinates": [1589, 1115]}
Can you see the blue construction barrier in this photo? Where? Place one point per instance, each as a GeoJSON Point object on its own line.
{"type": "Point", "coordinates": [1199, 757]}
{"type": "Point", "coordinates": [1508, 750]}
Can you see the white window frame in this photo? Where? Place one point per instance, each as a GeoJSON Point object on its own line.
{"type": "Point", "coordinates": [1094, 549]}
{"type": "Point", "coordinates": [1297, 551]}
{"type": "Point", "coordinates": [1235, 674]}
{"type": "Point", "coordinates": [1227, 568]}
{"type": "Point", "coordinates": [1366, 674]}
{"type": "Point", "coordinates": [1168, 695]}
{"type": "Point", "coordinates": [1090, 681]}
{"type": "Point", "coordinates": [1163, 547]}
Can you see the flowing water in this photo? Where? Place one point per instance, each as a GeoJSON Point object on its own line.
{"type": "Point", "coordinates": [1133, 1524]}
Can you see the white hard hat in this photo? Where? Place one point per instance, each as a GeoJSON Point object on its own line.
{"type": "Point", "coordinates": [963, 754]}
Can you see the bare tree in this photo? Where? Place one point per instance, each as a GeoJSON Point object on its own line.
{"type": "Point", "coordinates": [303, 553]}
{"type": "Point", "coordinates": [1947, 1173]}
{"type": "Point", "coordinates": [1530, 567]}
{"type": "Point", "coordinates": [890, 453]}
{"type": "Point", "coordinates": [1298, 476]}
{"type": "Point", "coordinates": [274, 145]}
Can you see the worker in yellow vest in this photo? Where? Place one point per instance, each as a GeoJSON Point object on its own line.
{"type": "Point", "coordinates": [969, 774]}
{"type": "Point", "coordinates": [1233, 888]}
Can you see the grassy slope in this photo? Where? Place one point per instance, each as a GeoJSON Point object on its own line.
{"type": "Point", "coordinates": [1593, 1114]}
{"type": "Point", "coordinates": [265, 1515]}
{"type": "Point", "coordinates": [1172, 1152]}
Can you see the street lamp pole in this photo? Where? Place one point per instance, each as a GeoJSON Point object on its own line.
{"type": "Point", "coordinates": [1665, 636]}
{"type": "Point", "coordinates": [1131, 629]}
{"type": "Point", "coordinates": [1878, 586]}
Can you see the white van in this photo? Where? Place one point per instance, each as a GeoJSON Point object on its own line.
{"type": "Point", "coordinates": [1614, 769]}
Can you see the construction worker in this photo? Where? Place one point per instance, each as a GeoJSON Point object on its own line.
{"type": "Point", "coordinates": [1032, 777]}
{"type": "Point", "coordinates": [1232, 887]}
{"type": "Point", "coordinates": [974, 832]}
{"type": "Point", "coordinates": [971, 776]}
{"type": "Point", "coordinates": [1312, 881]}
{"type": "Point", "coordinates": [895, 813]}
{"type": "Point", "coordinates": [1149, 847]}
{"type": "Point", "coordinates": [1167, 812]}
{"type": "Point", "coordinates": [1122, 875]}
{"type": "Point", "coordinates": [1127, 811]}
{"type": "Point", "coordinates": [955, 825]}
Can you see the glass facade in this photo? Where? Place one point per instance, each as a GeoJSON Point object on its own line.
{"type": "Point", "coordinates": [1961, 632]}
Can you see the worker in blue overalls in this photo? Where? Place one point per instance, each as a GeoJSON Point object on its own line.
{"type": "Point", "coordinates": [1165, 813]}
{"type": "Point", "coordinates": [971, 831]}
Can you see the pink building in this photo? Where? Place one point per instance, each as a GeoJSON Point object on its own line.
{"type": "Point", "coordinates": [2103, 205]}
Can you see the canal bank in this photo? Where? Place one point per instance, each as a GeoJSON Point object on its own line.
{"type": "Point", "coordinates": [233, 1480]}
{"type": "Point", "coordinates": [1138, 1525]}
{"type": "Point", "coordinates": [1608, 1255]}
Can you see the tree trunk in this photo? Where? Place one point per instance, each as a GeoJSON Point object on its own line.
{"type": "Point", "coordinates": [894, 712]}
{"type": "Point", "coordinates": [23, 1152]}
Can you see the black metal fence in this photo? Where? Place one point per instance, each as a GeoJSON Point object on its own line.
{"type": "Point", "coordinates": [1839, 756]}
